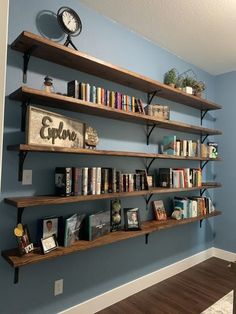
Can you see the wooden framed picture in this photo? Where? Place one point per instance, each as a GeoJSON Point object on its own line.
{"type": "Point", "coordinates": [49, 244]}
{"type": "Point", "coordinates": [52, 129]}
{"type": "Point", "coordinates": [132, 219]}
{"type": "Point", "coordinates": [159, 210]}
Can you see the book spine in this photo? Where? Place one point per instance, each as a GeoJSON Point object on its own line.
{"type": "Point", "coordinates": [85, 181]}
{"type": "Point", "coordinates": [93, 181]}
{"type": "Point", "coordinates": [98, 180]}
{"type": "Point", "coordinates": [73, 89]}
{"type": "Point", "coordinates": [75, 180]}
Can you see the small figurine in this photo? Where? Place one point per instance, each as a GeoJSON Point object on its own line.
{"type": "Point", "coordinates": [115, 215]}
{"type": "Point", "coordinates": [91, 137]}
{"type": "Point", "coordinates": [48, 85]}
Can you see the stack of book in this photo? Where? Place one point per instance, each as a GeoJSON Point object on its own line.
{"type": "Point", "coordinates": [99, 95]}
{"type": "Point", "coordinates": [186, 148]}
{"type": "Point", "coordinates": [97, 180]}
{"type": "Point", "coordinates": [180, 178]}
{"type": "Point", "coordinates": [193, 206]}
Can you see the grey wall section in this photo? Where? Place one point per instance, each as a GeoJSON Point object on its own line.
{"type": "Point", "coordinates": [225, 171]}
{"type": "Point", "coordinates": [92, 272]}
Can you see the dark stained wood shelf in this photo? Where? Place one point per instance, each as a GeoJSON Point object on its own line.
{"type": "Point", "coordinates": [57, 53]}
{"type": "Point", "coordinates": [29, 201]}
{"type": "Point", "coordinates": [69, 103]}
{"type": "Point", "coordinates": [15, 260]}
{"type": "Point", "coordinates": [97, 152]}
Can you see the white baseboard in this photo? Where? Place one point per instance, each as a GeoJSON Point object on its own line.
{"type": "Point", "coordinates": [225, 255]}
{"type": "Point", "coordinates": [115, 295]}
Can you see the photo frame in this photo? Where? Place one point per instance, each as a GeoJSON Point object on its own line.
{"type": "Point", "coordinates": [49, 244]}
{"type": "Point", "coordinates": [132, 219]}
{"type": "Point", "coordinates": [159, 210]}
{"type": "Point", "coordinates": [48, 226]}
{"type": "Point", "coordinates": [23, 239]}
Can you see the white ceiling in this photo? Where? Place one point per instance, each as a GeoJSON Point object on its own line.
{"type": "Point", "coordinates": [202, 32]}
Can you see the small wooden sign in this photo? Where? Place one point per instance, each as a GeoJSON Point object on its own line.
{"type": "Point", "coordinates": [52, 129]}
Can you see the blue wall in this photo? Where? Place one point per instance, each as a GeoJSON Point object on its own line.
{"type": "Point", "coordinates": [225, 170]}
{"type": "Point", "coordinates": [92, 272]}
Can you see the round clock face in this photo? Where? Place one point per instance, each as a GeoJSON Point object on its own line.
{"type": "Point", "coordinates": [70, 21]}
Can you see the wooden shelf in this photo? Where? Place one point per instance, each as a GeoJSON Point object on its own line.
{"type": "Point", "coordinates": [13, 258]}
{"type": "Point", "coordinates": [29, 201]}
{"type": "Point", "coordinates": [51, 51]}
{"type": "Point", "coordinates": [69, 103]}
{"type": "Point", "coordinates": [94, 152]}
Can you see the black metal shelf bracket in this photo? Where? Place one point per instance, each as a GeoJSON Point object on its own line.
{"type": "Point", "coordinates": [147, 199]}
{"type": "Point", "coordinates": [20, 211]}
{"type": "Point", "coordinates": [26, 59]}
{"type": "Point", "coordinates": [203, 164]}
{"type": "Point", "coordinates": [201, 223]}
{"type": "Point", "coordinates": [148, 165]}
{"type": "Point", "coordinates": [149, 130]}
{"type": "Point", "coordinates": [152, 95]}
{"type": "Point", "coordinates": [146, 238]}
{"type": "Point", "coordinates": [24, 107]}
{"type": "Point", "coordinates": [204, 138]}
{"type": "Point", "coordinates": [202, 191]}
{"type": "Point", "coordinates": [203, 113]}
{"type": "Point", "coordinates": [16, 275]}
{"type": "Point", "coordinates": [22, 156]}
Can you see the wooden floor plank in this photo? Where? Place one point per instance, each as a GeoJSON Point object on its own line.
{"type": "Point", "coordinates": [189, 292]}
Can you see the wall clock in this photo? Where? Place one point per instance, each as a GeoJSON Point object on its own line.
{"type": "Point", "coordinates": [70, 23]}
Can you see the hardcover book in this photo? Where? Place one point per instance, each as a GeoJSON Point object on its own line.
{"type": "Point", "coordinates": [96, 225]}
{"type": "Point", "coordinates": [63, 181]}
{"type": "Point", "coordinates": [73, 226]}
{"type": "Point", "coordinates": [169, 145]}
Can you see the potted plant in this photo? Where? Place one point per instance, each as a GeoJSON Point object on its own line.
{"type": "Point", "coordinates": [198, 88]}
{"type": "Point", "coordinates": [188, 84]}
{"type": "Point", "coordinates": [170, 77]}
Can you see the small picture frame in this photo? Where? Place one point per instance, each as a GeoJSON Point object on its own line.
{"type": "Point", "coordinates": [132, 219]}
{"type": "Point", "coordinates": [49, 244]}
{"type": "Point", "coordinates": [50, 226]}
{"type": "Point", "coordinates": [159, 210]}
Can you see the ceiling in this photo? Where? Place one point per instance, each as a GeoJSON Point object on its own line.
{"type": "Point", "coordinates": [201, 32]}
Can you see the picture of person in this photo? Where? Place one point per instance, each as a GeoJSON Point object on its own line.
{"type": "Point", "coordinates": [59, 180]}
{"type": "Point", "coordinates": [50, 227]}
{"type": "Point", "coordinates": [132, 219]}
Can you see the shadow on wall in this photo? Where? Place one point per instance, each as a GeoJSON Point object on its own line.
{"type": "Point", "coordinates": [48, 27]}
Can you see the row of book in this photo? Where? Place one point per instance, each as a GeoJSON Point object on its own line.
{"type": "Point", "coordinates": [193, 206]}
{"type": "Point", "coordinates": [99, 95]}
{"type": "Point", "coordinates": [97, 180]}
{"type": "Point", "coordinates": [170, 145]}
{"type": "Point", "coordinates": [180, 178]}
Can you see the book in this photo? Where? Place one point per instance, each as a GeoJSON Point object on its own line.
{"type": "Point", "coordinates": [96, 225]}
{"type": "Point", "coordinates": [85, 181]}
{"type": "Point", "coordinates": [169, 145]}
{"type": "Point", "coordinates": [63, 181]}
{"type": "Point", "coordinates": [73, 89]}
{"type": "Point", "coordinates": [72, 231]}
{"type": "Point", "coordinates": [165, 177]}
{"type": "Point", "coordinates": [159, 210]}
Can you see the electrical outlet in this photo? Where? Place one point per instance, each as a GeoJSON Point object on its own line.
{"type": "Point", "coordinates": [27, 177]}
{"type": "Point", "coordinates": [58, 287]}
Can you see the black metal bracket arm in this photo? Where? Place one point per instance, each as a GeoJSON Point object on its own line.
{"type": "Point", "coordinates": [152, 95]}
{"type": "Point", "coordinates": [16, 275]}
{"type": "Point", "coordinates": [26, 59]}
{"type": "Point", "coordinates": [24, 107]}
{"type": "Point", "coordinates": [203, 164]}
{"type": "Point", "coordinates": [201, 223]}
{"type": "Point", "coordinates": [203, 113]}
{"type": "Point", "coordinates": [204, 138]}
{"type": "Point", "coordinates": [148, 165]}
{"type": "Point", "coordinates": [149, 130]}
{"type": "Point", "coordinates": [20, 211]}
{"type": "Point", "coordinates": [22, 156]}
{"type": "Point", "coordinates": [202, 191]}
{"type": "Point", "coordinates": [146, 238]}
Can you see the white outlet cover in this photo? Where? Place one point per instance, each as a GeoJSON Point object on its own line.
{"type": "Point", "coordinates": [27, 177]}
{"type": "Point", "coordinates": [58, 287]}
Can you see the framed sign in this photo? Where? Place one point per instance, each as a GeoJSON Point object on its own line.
{"type": "Point", "coordinates": [52, 129]}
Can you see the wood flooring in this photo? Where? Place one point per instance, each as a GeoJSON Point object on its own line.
{"type": "Point", "coordinates": [189, 292]}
